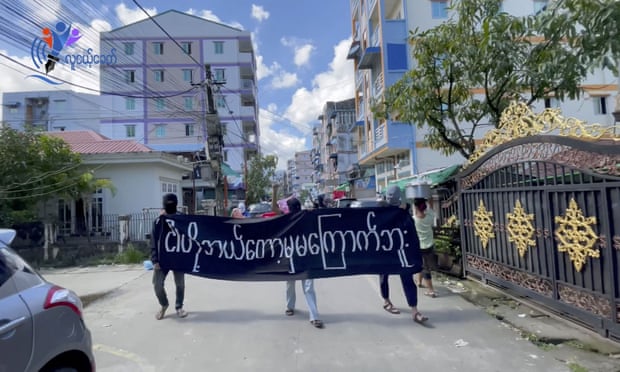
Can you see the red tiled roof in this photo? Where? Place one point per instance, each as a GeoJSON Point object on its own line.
{"type": "Point", "coordinates": [78, 136]}
{"type": "Point", "coordinates": [89, 142]}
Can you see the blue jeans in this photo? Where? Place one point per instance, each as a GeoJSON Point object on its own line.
{"type": "Point", "coordinates": [308, 286]}
{"type": "Point", "coordinates": [159, 277]}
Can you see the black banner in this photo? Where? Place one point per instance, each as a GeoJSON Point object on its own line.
{"type": "Point", "coordinates": [309, 244]}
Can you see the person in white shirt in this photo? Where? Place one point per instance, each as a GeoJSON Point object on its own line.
{"type": "Point", "coordinates": [424, 218]}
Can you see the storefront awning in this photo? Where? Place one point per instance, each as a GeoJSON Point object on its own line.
{"type": "Point", "coordinates": [435, 177]}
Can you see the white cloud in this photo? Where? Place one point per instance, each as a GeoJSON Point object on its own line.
{"type": "Point", "coordinates": [100, 25]}
{"type": "Point", "coordinates": [280, 143]}
{"type": "Point", "coordinates": [127, 15]}
{"type": "Point", "coordinates": [262, 70]}
{"type": "Point", "coordinates": [47, 13]}
{"type": "Point", "coordinates": [210, 16]}
{"type": "Point", "coordinates": [302, 54]}
{"type": "Point", "coordinates": [335, 84]}
{"type": "Point", "coordinates": [301, 49]}
{"type": "Point", "coordinates": [284, 80]}
{"type": "Point", "coordinates": [259, 13]}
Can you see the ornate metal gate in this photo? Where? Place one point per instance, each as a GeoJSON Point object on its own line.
{"type": "Point", "coordinates": [540, 211]}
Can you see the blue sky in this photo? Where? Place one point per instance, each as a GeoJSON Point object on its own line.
{"type": "Point", "coordinates": [301, 53]}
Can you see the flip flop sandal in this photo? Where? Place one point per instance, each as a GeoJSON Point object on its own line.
{"type": "Point", "coordinates": [419, 318]}
{"type": "Point", "coordinates": [317, 323]}
{"type": "Point", "coordinates": [389, 307]}
{"type": "Point", "coordinates": [430, 294]}
{"type": "Point", "coordinates": [289, 312]}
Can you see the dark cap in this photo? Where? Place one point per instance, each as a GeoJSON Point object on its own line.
{"type": "Point", "coordinates": [294, 205]}
{"type": "Point", "coordinates": [170, 199]}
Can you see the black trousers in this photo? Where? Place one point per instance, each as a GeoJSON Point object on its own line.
{"type": "Point", "coordinates": [409, 288]}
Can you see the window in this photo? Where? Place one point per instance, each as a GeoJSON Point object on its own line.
{"type": "Point", "coordinates": [158, 48]}
{"type": "Point", "coordinates": [188, 75]}
{"type": "Point", "coordinates": [160, 130]}
{"type": "Point", "coordinates": [59, 103]}
{"type": "Point", "coordinates": [130, 131]}
{"type": "Point", "coordinates": [189, 130]}
{"type": "Point", "coordinates": [130, 76]}
{"type": "Point", "coordinates": [540, 6]}
{"type": "Point", "coordinates": [167, 187]}
{"type": "Point", "coordinates": [130, 103]}
{"type": "Point", "coordinates": [439, 9]}
{"type": "Point", "coordinates": [160, 104]}
{"type": "Point", "coordinates": [158, 75]}
{"type": "Point", "coordinates": [220, 101]}
{"type": "Point", "coordinates": [600, 105]}
{"type": "Point", "coordinates": [188, 103]}
{"type": "Point", "coordinates": [225, 155]}
{"type": "Point", "coordinates": [551, 102]}
{"type": "Point", "coordinates": [219, 76]}
{"type": "Point", "coordinates": [218, 47]}
{"type": "Point", "coordinates": [129, 48]}
{"type": "Point", "coordinates": [187, 47]}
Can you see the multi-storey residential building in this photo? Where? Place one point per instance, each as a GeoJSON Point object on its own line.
{"type": "Point", "coordinates": [302, 171]}
{"type": "Point", "coordinates": [54, 110]}
{"type": "Point", "coordinates": [381, 55]}
{"type": "Point", "coordinates": [160, 96]}
{"type": "Point", "coordinates": [334, 150]}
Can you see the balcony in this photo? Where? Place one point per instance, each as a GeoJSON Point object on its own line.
{"type": "Point", "coordinates": [248, 111]}
{"type": "Point", "coordinates": [370, 5]}
{"type": "Point", "coordinates": [359, 78]}
{"type": "Point", "coordinates": [361, 115]}
{"type": "Point", "coordinates": [355, 7]}
{"type": "Point", "coordinates": [381, 135]}
{"type": "Point", "coordinates": [378, 85]}
{"type": "Point", "coordinates": [371, 54]}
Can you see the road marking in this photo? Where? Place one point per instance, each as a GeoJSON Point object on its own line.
{"type": "Point", "coordinates": [127, 355]}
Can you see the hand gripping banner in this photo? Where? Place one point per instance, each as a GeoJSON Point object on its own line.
{"type": "Point", "coordinates": [318, 243]}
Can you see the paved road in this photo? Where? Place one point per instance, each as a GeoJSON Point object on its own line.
{"type": "Point", "coordinates": [241, 326]}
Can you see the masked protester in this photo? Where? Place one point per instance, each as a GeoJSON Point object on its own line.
{"type": "Point", "coordinates": [170, 203]}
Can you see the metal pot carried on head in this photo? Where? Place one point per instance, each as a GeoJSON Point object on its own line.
{"type": "Point", "coordinates": [418, 190]}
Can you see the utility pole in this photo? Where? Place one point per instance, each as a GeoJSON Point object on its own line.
{"type": "Point", "coordinates": [215, 142]}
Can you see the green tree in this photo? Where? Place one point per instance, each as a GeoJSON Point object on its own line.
{"type": "Point", "coordinates": [34, 168]}
{"type": "Point", "coordinates": [502, 58]}
{"type": "Point", "coordinates": [261, 170]}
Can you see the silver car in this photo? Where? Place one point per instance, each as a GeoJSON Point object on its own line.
{"type": "Point", "coordinates": [41, 324]}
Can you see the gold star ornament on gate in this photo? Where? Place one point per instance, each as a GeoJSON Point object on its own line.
{"type": "Point", "coordinates": [483, 224]}
{"type": "Point", "coordinates": [520, 228]}
{"type": "Point", "coordinates": [576, 236]}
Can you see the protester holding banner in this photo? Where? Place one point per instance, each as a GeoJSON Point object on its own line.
{"type": "Point", "coordinates": [409, 287]}
{"type": "Point", "coordinates": [294, 206]}
{"type": "Point", "coordinates": [170, 203]}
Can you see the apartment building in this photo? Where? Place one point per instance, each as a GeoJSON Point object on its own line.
{"type": "Point", "coordinates": [381, 55]}
{"type": "Point", "coordinates": [301, 171]}
{"type": "Point", "coordinates": [160, 97]}
{"type": "Point", "coordinates": [53, 110]}
{"type": "Point", "coordinates": [334, 150]}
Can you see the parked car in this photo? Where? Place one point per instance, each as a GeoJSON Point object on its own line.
{"type": "Point", "coordinates": [344, 202]}
{"type": "Point", "coordinates": [257, 209]}
{"type": "Point", "coordinates": [41, 324]}
{"type": "Point", "coordinates": [367, 203]}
